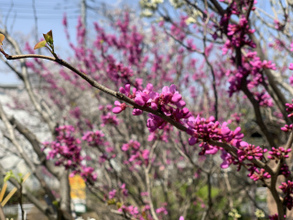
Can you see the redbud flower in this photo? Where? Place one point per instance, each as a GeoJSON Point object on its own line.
{"type": "Point", "coordinates": [119, 107]}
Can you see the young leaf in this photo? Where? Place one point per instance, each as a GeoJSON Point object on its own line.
{"type": "Point", "coordinates": [40, 44]}
{"type": "Point", "coordinates": [55, 203]}
{"type": "Point", "coordinates": [2, 37]}
{"type": "Point", "coordinates": [49, 37]}
{"type": "Point", "coordinates": [8, 175]}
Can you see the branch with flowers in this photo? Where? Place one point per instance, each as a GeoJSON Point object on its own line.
{"type": "Point", "coordinates": [251, 74]}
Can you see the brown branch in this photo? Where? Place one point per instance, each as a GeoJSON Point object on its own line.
{"type": "Point", "coordinates": [275, 92]}
{"type": "Point", "coordinates": [99, 86]}
{"type": "Point", "coordinates": [2, 216]}
{"type": "Point", "coordinates": [24, 77]}
{"type": "Point", "coordinates": [35, 143]}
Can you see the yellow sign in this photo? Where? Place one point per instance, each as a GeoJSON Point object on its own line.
{"type": "Point", "coordinates": [77, 187]}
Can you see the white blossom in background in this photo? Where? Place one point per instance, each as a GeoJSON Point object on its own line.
{"type": "Point", "coordinates": [176, 3]}
{"type": "Point", "coordinates": [190, 20]}
{"type": "Point", "coordinates": [146, 13]}
{"type": "Point", "coordinates": [81, 218]}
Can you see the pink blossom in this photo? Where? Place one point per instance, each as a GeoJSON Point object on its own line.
{"type": "Point", "coordinates": [119, 107]}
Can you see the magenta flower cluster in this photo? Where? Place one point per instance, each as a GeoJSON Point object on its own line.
{"type": "Point", "coordinates": [275, 217]}
{"type": "Point", "coordinates": [162, 209]}
{"type": "Point", "coordinates": [209, 129]}
{"type": "Point", "coordinates": [94, 138]}
{"type": "Point", "coordinates": [122, 191]}
{"type": "Point", "coordinates": [66, 151]}
{"type": "Point", "coordinates": [287, 128]}
{"type": "Point", "coordinates": [279, 153]}
{"type": "Point", "coordinates": [135, 212]}
{"type": "Point", "coordinates": [119, 197]}
{"type": "Point", "coordinates": [284, 170]}
{"type": "Point", "coordinates": [287, 189]}
{"type": "Point", "coordinates": [289, 108]}
{"type": "Point", "coordinates": [107, 118]}
{"type": "Point", "coordinates": [258, 174]}
{"type": "Point", "coordinates": [135, 154]}
{"type": "Point", "coordinates": [169, 102]}
{"type": "Point", "coordinates": [239, 33]}
{"type": "Point", "coordinates": [204, 130]}
{"type": "Point", "coordinates": [251, 70]}
{"type": "Point", "coordinates": [250, 152]}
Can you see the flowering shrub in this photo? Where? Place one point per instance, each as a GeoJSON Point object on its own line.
{"type": "Point", "coordinates": [185, 109]}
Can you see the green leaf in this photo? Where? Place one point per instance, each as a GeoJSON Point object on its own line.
{"type": "Point", "coordinates": [118, 204]}
{"type": "Point", "coordinates": [6, 178]}
{"type": "Point", "coordinates": [8, 175]}
{"type": "Point", "coordinates": [40, 44]}
{"type": "Point", "coordinates": [2, 37]}
{"type": "Point", "coordinates": [111, 201]}
{"type": "Point", "coordinates": [49, 37]}
{"type": "Point", "coordinates": [55, 203]}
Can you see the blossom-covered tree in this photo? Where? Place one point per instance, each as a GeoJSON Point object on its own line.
{"type": "Point", "coordinates": [159, 115]}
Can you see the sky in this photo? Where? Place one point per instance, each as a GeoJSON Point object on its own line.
{"type": "Point", "coordinates": [31, 18]}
